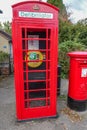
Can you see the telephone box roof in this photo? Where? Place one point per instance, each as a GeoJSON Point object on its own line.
{"type": "Point", "coordinates": [44, 3]}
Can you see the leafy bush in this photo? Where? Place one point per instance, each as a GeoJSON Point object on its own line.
{"type": "Point", "coordinates": [3, 56]}
{"type": "Point", "coordinates": [64, 48]}
{"type": "Point", "coordinates": [83, 37]}
{"type": "Point", "coordinates": [73, 32]}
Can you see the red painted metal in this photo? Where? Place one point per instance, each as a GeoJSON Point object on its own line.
{"type": "Point", "coordinates": [35, 95]}
{"type": "Point", "coordinates": [78, 77]}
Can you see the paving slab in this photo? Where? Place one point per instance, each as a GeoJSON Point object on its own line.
{"type": "Point", "coordinates": [65, 121]}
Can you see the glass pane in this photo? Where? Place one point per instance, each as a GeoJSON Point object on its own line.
{"type": "Point", "coordinates": [25, 86]}
{"type": "Point", "coordinates": [26, 103]}
{"type": "Point", "coordinates": [37, 94]}
{"type": "Point", "coordinates": [24, 74]}
{"type": "Point", "coordinates": [49, 33]}
{"type": "Point", "coordinates": [36, 76]}
{"type": "Point", "coordinates": [40, 32]}
{"type": "Point", "coordinates": [41, 67]}
{"type": "Point", "coordinates": [23, 32]}
{"type": "Point", "coordinates": [24, 44]}
{"type": "Point", "coordinates": [42, 44]}
{"type": "Point", "coordinates": [24, 65]}
{"type": "Point", "coordinates": [48, 44]}
{"type": "Point", "coordinates": [35, 85]}
{"type": "Point", "coordinates": [37, 103]}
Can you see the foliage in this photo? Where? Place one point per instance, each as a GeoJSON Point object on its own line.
{"type": "Point", "coordinates": [74, 32]}
{"type": "Point", "coordinates": [64, 31]}
{"type": "Point", "coordinates": [68, 31]}
{"type": "Point", "coordinates": [3, 56]}
{"type": "Point", "coordinates": [6, 26]}
{"type": "Point", "coordinates": [64, 48]}
{"type": "Point", "coordinates": [59, 4]}
{"type": "Point", "coordinates": [63, 97]}
{"type": "Point", "coordinates": [82, 37]}
{"type": "Point", "coordinates": [83, 22]}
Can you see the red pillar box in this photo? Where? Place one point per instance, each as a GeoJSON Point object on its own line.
{"type": "Point", "coordinates": [35, 45]}
{"type": "Point", "coordinates": [77, 93]}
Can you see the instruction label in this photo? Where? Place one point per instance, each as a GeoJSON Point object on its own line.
{"type": "Point", "coordinates": [84, 72]}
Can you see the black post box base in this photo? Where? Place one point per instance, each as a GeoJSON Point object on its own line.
{"type": "Point", "coordinates": [76, 104]}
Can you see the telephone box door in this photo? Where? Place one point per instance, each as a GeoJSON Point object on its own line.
{"type": "Point", "coordinates": [37, 72]}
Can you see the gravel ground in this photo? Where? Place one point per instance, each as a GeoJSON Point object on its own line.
{"type": "Point", "coordinates": [67, 120]}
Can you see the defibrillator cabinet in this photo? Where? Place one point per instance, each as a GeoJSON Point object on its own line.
{"type": "Point", "coordinates": [35, 45]}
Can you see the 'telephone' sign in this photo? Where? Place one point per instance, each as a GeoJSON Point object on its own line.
{"type": "Point", "coordinates": [35, 15]}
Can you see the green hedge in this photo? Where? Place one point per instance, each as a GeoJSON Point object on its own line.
{"type": "Point", "coordinates": [64, 48]}
{"type": "Point", "coordinates": [3, 56]}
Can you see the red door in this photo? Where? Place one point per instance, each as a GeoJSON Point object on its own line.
{"type": "Point", "coordinates": [37, 66]}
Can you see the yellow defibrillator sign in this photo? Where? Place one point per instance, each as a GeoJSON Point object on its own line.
{"type": "Point", "coordinates": [34, 58]}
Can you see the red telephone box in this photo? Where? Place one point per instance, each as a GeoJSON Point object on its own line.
{"type": "Point", "coordinates": [35, 45]}
{"type": "Point", "coordinates": [77, 93]}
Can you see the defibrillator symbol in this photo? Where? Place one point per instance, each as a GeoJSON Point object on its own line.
{"type": "Point", "coordinates": [34, 58]}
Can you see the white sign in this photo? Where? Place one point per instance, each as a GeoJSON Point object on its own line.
{"type": "Point", "coordinates": [35, 15]}
{"type": "Point", "coordinates": [44, 0]}
{"type": "Point", "coordinates": [33, 44]}
{"type": "Point", "coordinates": [84, 72]}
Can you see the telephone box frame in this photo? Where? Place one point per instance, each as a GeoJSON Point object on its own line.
{"type": "Point", "coordinates": [46, 23]}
